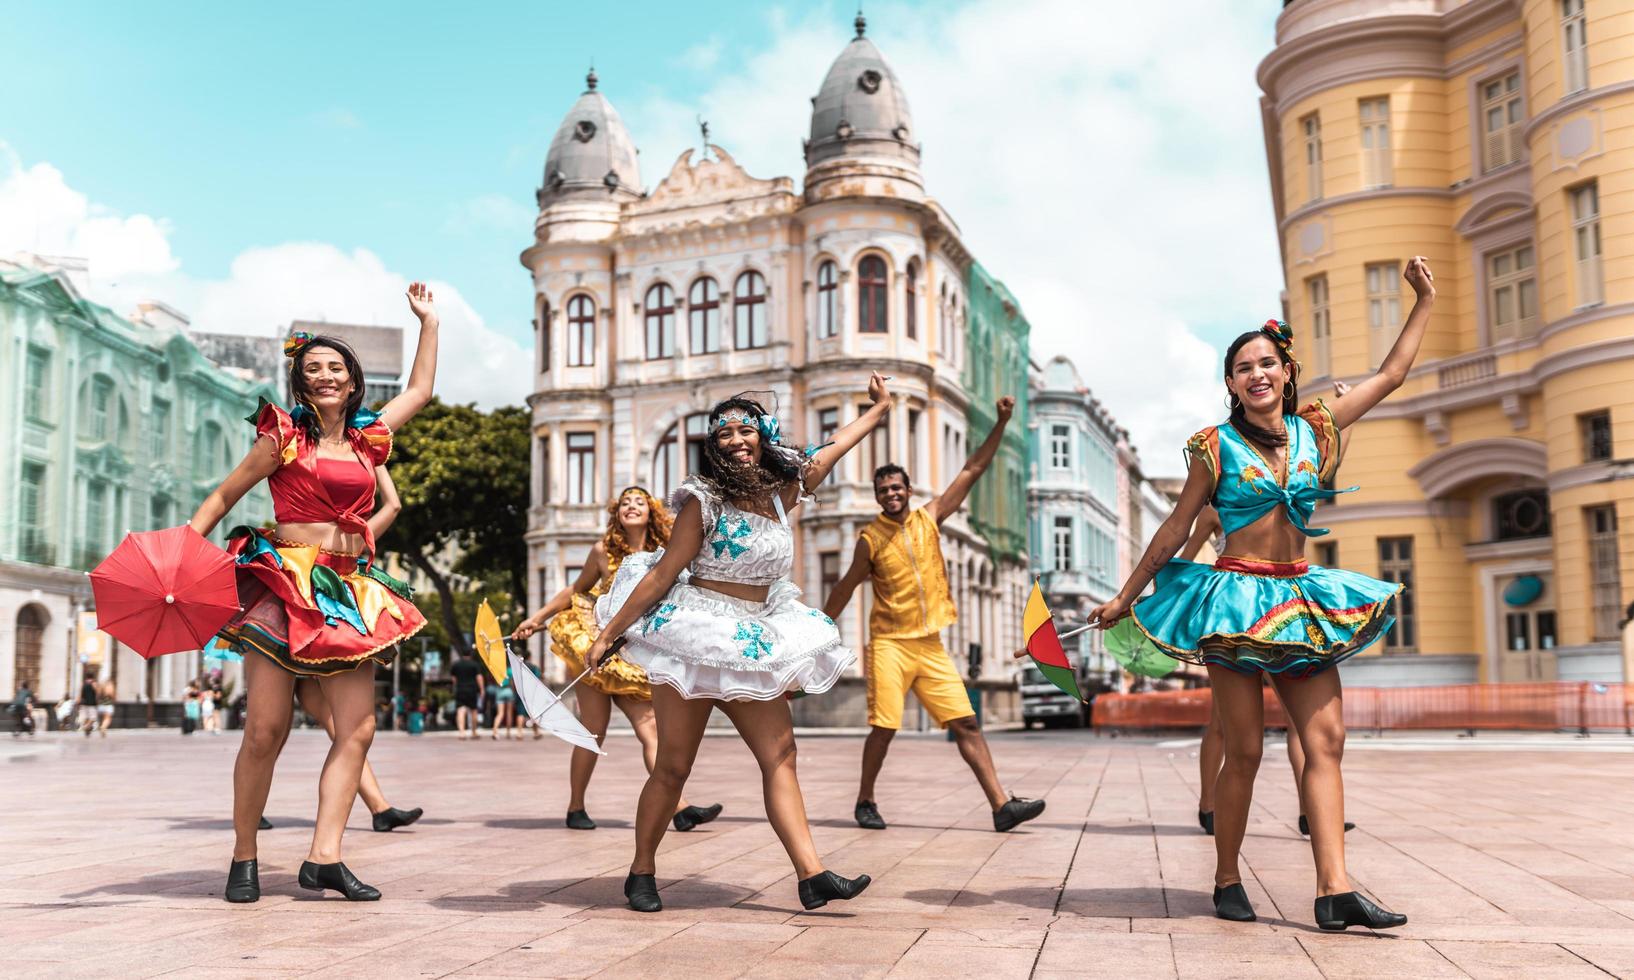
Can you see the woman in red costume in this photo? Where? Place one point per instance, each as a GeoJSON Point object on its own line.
{"type": "Point", "coordinates": [313, 602]}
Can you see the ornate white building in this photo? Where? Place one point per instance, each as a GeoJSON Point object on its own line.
{"type": "Point", "coordinates": [652, 306]}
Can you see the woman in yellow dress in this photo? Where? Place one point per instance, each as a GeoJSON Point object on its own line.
{"type": "Point", "coordinates": [636, 521]}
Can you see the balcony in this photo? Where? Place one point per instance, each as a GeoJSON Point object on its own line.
{"type": "Point", "coordinates": [33, 547]}
{"type": "Point", "coordinates": [1467, 370]}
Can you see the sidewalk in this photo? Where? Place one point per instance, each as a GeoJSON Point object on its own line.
{"type": "Point", "coordinates": [1513, 864]}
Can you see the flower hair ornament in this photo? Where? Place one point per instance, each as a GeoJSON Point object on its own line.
{"type": "Point", "coordinates": [1281, 334]}
{"type": "Point", "coordinates": [297, 342]}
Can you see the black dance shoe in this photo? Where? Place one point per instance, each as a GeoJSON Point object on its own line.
{"type": "Point", "coordinates": [337, 877]}
{"type": "Point", "coordinates": [243, 882]}
{"type": "Point", "coordinates": [391, 818]}
{"type": "Point", "coordinates": [1205, 820]}
{"type": "Point", "coordinates": [820, 889]}
{"type": "Point", "coordinates": [867, 814]}
{"type": "Point", "coordinates": [1016, 812]}
{"type": "Point", "coordinates": [265, 824]}
{"type": "Point", "coordinates": [691, 816]}
{"type": "Point", "coordinates": [579, 820]}
{"type": "Point", "coordinates": [1231, 903]}
{"type": "Point", "coordinates": [1305, 826]}
{"type": "Point", "coordinates": [1335, 913]}
{"type": "Point", "coordinates": [642, 893]}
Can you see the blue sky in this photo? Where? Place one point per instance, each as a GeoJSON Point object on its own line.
{"type": "Point", "coordinates": [1106, 162]}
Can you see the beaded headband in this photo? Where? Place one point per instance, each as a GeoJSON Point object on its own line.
{"type": "Point", "coordinates": [735, 416]}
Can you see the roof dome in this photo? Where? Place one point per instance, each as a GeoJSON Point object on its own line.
{"type": "Point", "coordinates": [861, 107]}
{"type": "Point", "coordinates": [591, 150]}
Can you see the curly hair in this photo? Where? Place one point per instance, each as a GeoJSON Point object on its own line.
{"type": "Point", "coordinates": [731, 480]}
{"type": "Point", "coordinates": [659, 522]}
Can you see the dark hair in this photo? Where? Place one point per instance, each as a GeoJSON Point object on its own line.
{"type": "Point", "coordinates": [732, 480]}
{"type": "Point", "coordinates": [891, 469]}
{"type": "Point", "coordinates": [297, 379]}
{"type": "Point", "coordinates": [1290, 392]}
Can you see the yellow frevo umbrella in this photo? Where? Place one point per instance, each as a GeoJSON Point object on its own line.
{"type": "Point", "coordinates": [490, 642]}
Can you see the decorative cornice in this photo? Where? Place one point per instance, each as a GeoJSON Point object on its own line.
{"type": "Point", "coordinates": [1390, 510]}
{"type": "Point", "coordinates": [1572, 103]}
{"type": "Point", "coordinates": [1377, 194]}
{"type": "Point", "coordinates": [1591, 315]}
{"type": "Point", "coordinates": [1587, 474]}
{"type": "Point", "coordinates": [1441, 472]}
{"type": "Point", "coordinates": [1539, 547]}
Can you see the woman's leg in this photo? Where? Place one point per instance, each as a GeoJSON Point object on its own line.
{"type": "Point", "coordinates": [1315, 708]}
{"type": "Point", "coordinates": [681, 725]}
{"type": "Point", "coordinates": [266, 725]}
{"type": "Point", "coordinates": [641, 718]}
{"type": "Point", "coordinates": [595, 709]}
{"type": "Point", "coordinates": [1210, 756]}
{"type": "Point", "coordinates": [1241, 709]}
{"type": "Point", "coordinates": [768, 730]}
{"type": "Point", "coordinates": [310, 694]}
{"type": "Point", "coordinates": [350, 697]}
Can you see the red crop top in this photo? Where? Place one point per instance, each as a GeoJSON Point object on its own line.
{"type": "Point", "coordinates": [310, 490]}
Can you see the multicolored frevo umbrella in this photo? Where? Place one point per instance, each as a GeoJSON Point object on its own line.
{"type": "Point", "coordinates": [1044, 646]}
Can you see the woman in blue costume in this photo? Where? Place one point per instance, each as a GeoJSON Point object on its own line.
{"type": "Point", "coordinates": [1260, 609]}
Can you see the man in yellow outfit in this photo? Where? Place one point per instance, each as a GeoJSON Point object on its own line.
{"type": "Point", "coordinates": [901, 552]}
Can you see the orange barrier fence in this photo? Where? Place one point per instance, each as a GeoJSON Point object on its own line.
{"type": "Point", "coordinates": [1564, 705]}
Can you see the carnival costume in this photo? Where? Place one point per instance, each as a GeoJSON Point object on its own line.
{"type": "Point", "coordinates": [1249, 614]}
{"type": "Point", "coordinates": [574, 629]}
{"type": "Point", "coordinates": [310, 610]}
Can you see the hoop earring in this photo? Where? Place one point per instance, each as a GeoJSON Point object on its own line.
{"type": "Point", "coordinates": [1232, 401]}
{"type": "Point", "coordinates": [1288, 391]}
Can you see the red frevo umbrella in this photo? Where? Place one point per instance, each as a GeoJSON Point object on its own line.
{"type": "Point", "coordinates": [164, 591]}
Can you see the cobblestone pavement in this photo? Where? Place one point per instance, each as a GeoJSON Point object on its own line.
{"type": "Point", "coordinates": [1514, 859]}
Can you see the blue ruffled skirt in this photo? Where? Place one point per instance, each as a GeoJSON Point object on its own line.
{"type": "Point", "coordinates": [1251, 615]}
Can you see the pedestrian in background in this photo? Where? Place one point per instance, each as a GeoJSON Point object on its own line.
{"type": "Point", "coordinates": [190, 708]}
{"type": "Point", "coordinates": [469, 683]}
{"type": "Point", "coordinates": [87, 705]}
{"type": "Point", "coordinates": [104, 706]}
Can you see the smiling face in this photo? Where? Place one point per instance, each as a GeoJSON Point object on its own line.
{"type": "Point", "coordinates": [893, 494]}
{"type": "Point", "coordinates": [739, 442]}
{"type": "Point", "coordinates": [1258, 375]}
{"type": "Point", "coordinates": [633, 511]}
{"type": "Point", "coordinates": [325, 379]}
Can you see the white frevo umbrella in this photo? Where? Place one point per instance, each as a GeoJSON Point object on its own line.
{"type": "Point", "coordinates": [539, 701]}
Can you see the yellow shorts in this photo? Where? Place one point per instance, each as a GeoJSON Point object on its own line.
{"type": "Point", "coordinates": [895, 665]}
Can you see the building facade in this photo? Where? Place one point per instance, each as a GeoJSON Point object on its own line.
{"type": "Point", "coordinates": [108, 424]}
{"type": "Point", "coordinates": [379, 352]}
{"type": "Point", "coordinates": [650, 307]}
{"type": "Point", "coordinates": [1495, 137]}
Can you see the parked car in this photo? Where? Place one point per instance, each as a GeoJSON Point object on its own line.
{"type": "Point", "coordinates": [1045, 704]}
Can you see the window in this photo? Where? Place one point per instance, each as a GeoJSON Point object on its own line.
{"type": "Point", "coordinates": [542, 328]}
{"type": "Point", "coordinates": [1376, 168]}
{"type": "Point", "coordinates": [37, 384]}
{"type": "Point", "coordinates": [913, 440]}
{"type": "Point", "coordinates": [1586, 236]}
{"type": "Point", "coordinates": [658, 311]}
{"type": "Point", "coordinates": [581, 468]}
{"type": "Point", "coordinates": [1383, 309]}
{"type": "Point", "coordinates": [1512, 293]}
{"type": "Point", "coordinates": [1574, 38]}
{"type": "Point", "coordinates": [209, 449]}
{"type": "Point", "coordinates": [871, 295]}
{"type": "Point", "coordinates": [749, 311]}
{"type": "Point", "coordinates": [1312, 125]}
{"type": "Point", "coordinates": [684, 442]}
{"type": "Point", "coordinates": [31, 515]}
{"type": "Point", "coordinates": [31, 622]}
{"type": "Point", "coordinates": [581, 331]}
{"type": "Point", "coordinates": [828, 423]}
{"type": "Point", "coordinates": [98, 418]}
{"type": "Point", "coordinates": [704, 317]}
{"type": "Point", "coordinates": [1316, 288]}
{"type": "Point", "coordinates": [1605, 578]}
{"type": "Point", "coordinates": [1061, 447]}
{"type": "Point", "coordinates": [878, 444]}
{"type": "Point", "coordinates": [159, 512]}
{"type": "Point", "coordinates": [159, 430]}
{"type": "Point", "coordinates": [1327, 554]}
{"type": "Point", "coordinates": [1522, 514]}
{"type": "Point", "coordinates": [1503, 115]}
{"type": "Point", "coordinates": [828, 288]}
{"type": "Point", "coordinates": [910, 300]}
{"type": "Point", "coordinates": [1396, 565]}
{"type": "Point", "coordinates": [1596, 429]}
{"type": "Point", "coordinates": [828, 572]}
{"type": "Point", "coordinates": [1061, 545]}
{"type": "Point", "coordinates": [95, 522]}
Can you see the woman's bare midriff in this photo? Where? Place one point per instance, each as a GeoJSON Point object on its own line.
{"type": "Point", "coordinates": [737, 590]}
{"type": "Point", "coordinates": [329, 537]}
{"type": "Point", "coordinates": [1271, 538]}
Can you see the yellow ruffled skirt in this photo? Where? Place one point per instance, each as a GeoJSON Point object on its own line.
{"type": "Point", "coordinates": [571, 633]}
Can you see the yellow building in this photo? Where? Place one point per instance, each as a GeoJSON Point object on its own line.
{"type": "Point", "coordinates": [1495, 137]}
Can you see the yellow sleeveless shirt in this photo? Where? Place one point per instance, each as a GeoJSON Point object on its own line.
{"type": "Point", "coordinates": [911, 596]}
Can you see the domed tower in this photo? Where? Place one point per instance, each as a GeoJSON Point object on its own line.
{"type": "Point", "coordinates": [862, 138]}
{"type": "Point", "coordinates": [590, 171]}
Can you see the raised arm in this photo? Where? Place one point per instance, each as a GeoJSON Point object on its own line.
{"type": "Point", "coordinates": [1168, 539]}
{"type": "Point", "coordinates": [1207, 526]}
{"type": "Point", "coordinates": [862, 566]}
{"type": "Point", "coordinates": [390, 504]}
{"type": "Point", "coordinates": [846, 439]}
{"type": "Point", "coordinates": [686, 537]}
{"type": "Point", "coordinates": [953, 497]}
{"type": "Point", "coordinates": [258, 464]}
{"type": "Point", "coordinates": [589, 573]}
{"type": "Point", "coordinates": [417, 392]}
{"type": "Point", "coordinates": [1392, 374]}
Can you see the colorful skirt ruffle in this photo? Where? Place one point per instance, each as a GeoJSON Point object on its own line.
{"type": "Point", "coordinates": [707, 644]}
{"type": "Point", "coordinates": [314, 612]}
{"type": "Point", "coordinates": [1251, 615]}
{"type": "Point", "coordinates": [571, 633]}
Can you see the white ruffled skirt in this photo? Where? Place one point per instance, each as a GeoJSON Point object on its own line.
{"type": "Point", "coordinates": [706, 644]}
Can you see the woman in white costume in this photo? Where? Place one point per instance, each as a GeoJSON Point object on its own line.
{"type": "Point", "coordinates": [715, 622]}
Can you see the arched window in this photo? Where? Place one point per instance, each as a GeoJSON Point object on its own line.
{"type": "Point", "coordinates": [828, 291]}
{"type": "Point", "coordinates": [581, 331]}
{"type": "Point", "coordinates": [659, 311]}
{"type": "Point", "coordinates": [678, 453]}
{"type": "Point", "coordinates": [871, 295]}
{"type": "Point", "coordinates": [749, 311]}
{"type": "Point", "coordinates": [542, 328]}
{"type": "Point", "coordinates": [99, 406]}
{"type": "Point", "coordinates": [910, 297]}
{"type": "Point", "coordinates": [704, 316]}
{"type": "Point", "coordinates": [31, 623]}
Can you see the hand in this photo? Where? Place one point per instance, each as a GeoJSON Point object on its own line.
{"type": "Point", "coordinates": [876, 390]}
{"type": "Point", "coordinates": [1340, 389]}
{"type": "Point", "coordinates": [524, 629]}
{"type": "Point", "coordinates": [597, 654]}
{"type": "Point", "coordinates": [1419, 276]}
{"type": "Point", "coordinates": [1006, 407]}
{"type": "Point", "coordinates": [1106, 614]}
{"type": "Point", "coordinates": [420, 299]}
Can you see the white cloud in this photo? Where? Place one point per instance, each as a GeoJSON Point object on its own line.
{"type": "Point", "coordinates": [265, 288]}
{"type": "Point", "coordinates": [703, 56]}
{"type": "Point", "coordinates": [1104, 160]}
